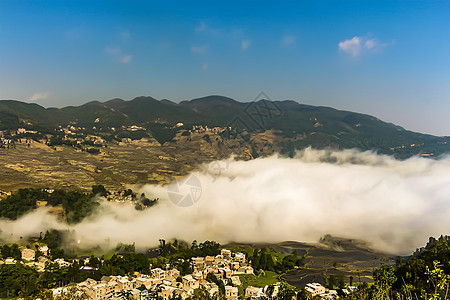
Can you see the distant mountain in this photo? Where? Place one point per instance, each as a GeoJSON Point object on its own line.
{"type": "Point", "coordinates": [297, 125]}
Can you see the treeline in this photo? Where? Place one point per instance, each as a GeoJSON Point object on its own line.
{"type": "Point", "coordinates": [182, 249]}
{"type": "Point", "coordinates": [11, 251]}
{"type": "Point", "coordinates": [18, 281]}
{"type": "Point", "coordinates": [162, 132]}
{"type": "Point", "coordinates": [265, 259]}
{"type": "Point", "coordinates": [423, 275]}
{"type": "Point", "coordinates": [59, 141]}
{"type": "Point", "coordinates": [179, 253]}
{"type": "Point", "coordinates": [77, 205]}
{"type": "Point", "coordinates": [19, 203]}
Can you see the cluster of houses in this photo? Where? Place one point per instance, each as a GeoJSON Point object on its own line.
{"type": "Point", "coordinates": [206, 129]}
{"type": "Point", "coordinates": [119, 197]}
{"type": "Point", "coordinates": [6, 143]}
{"type": "Point", "coordinates": [70, 129]}
{"type": "Point", "coordinates": [134, 128]}
{"type": "Point", "coordinates": [316, 289]}
{"type": "Point", "coordinates": [23, 130]}
{"type": "Point", "coordinates": [167, 283]}
{"type": "Point", "coordinates": [71, 135]}
{"type": "Point", "coordinates": [28, 258]}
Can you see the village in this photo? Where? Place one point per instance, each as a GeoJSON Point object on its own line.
{"type": "Point", "coordinates": [209, 274]}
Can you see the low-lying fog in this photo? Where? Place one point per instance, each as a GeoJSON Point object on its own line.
{"type": "Point", "coordinates": [393, 205]}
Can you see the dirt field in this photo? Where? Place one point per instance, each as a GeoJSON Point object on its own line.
{"type": "Point", "coordinates": [119, 164]}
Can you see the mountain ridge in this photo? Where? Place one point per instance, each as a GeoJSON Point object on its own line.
{"type": "Point", "coordinates": [298, 125]}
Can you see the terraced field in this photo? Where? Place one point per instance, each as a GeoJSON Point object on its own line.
{"type": "Point", "coordinates": [331, 256]}
{"type": "Point", "coordinates": [133, 162]}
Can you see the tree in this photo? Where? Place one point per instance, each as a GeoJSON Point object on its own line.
{"type": "Point", "coordinates": [94, 262]}
{"type": "Point", "coordinates": [17, 280]}
{"type": "Point", "coordinates": [5, 251]}
{"type": "Point", "coordinates": [213, 278]}
{"type": "Point", "coordinates": [203, 294]}
{"type": "Point", "coordinates": [99, 190]}
{"type": "Point", "coordinates": [384, 278]}
{"type": "Point", "coordinates": [439, 281]}
{"type": "Point", "coordinates": [286, 292]}
{"type": "Point", "coordinates": [15, 252]}
{"type": "Point", "coordinates": [53, 238]}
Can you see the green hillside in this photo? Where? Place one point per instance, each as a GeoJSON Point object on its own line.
{"type": "Point", "coordinates": [297, 125]}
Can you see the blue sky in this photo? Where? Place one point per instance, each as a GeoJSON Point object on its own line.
{"type": "Point", "coordinates": [390, 58]}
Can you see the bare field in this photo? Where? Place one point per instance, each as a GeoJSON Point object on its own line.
{"type": "Point", "coordinates": [118, 164]}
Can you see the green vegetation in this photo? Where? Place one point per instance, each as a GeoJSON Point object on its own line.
{"type": "Point", "coordinates": [424, 275]}
{"type": "Point", "coordinates": [8, 120]}
{"type": "Point", "coordinates": [133, 135]}
{"type": "Point", "coordinates": [262, 279]}
{"type": "Point", "coordinates": [267, 259]}
{"type": "Point", "coordinates": [182, 250]}
{"type": "Point", "coordinates": [54, 241]}
{"type": "Point", "coordinates": [76, 205]}
{"type": "Point", "coordinates": [212, 278]}
{"type": "Point", "coordinates": [18, 280]}
{"type": "Point", "coordinates": [19, 203]}
{"type": "Point", "coordinates": [298, 125]}
{"type": "Point", "coordinates": [11, 251]}
{"type": "Point", "coordinates": [179, 253]}
{"type": "Point", "coordinates": [203, 294]}
{"type": "Point", "coordinates": [162, 132]}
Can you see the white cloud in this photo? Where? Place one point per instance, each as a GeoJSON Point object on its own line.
{"type": "Point", "coordinates": [245, 44]}
{"type": "Point", "coordinates": [358, 45]}
{"type": "Point", "coordinates": [199, 49]}
{"type": "Point", "coordinates": [39, 96]}
{"type": "Point", "coordinates": [352, 46]}
{"type": "Point", "coordinates": [118, 54]}
{"type": "Point", "coordinates": [205, 67]}
{"type": "Point", "coordinates": [370, 43]}
{"type": "Point", "coordinates": [288, 40]}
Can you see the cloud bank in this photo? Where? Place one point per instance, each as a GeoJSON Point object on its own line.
{"type": "Point", "coordinates": [393, 205]}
